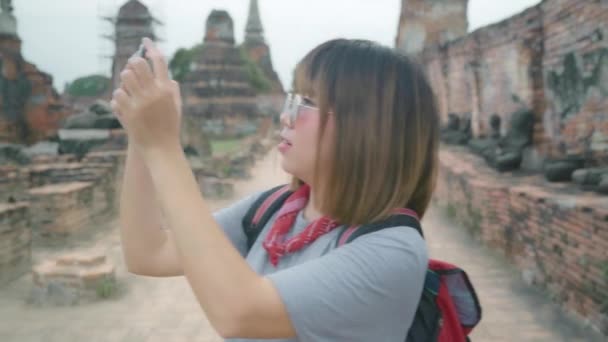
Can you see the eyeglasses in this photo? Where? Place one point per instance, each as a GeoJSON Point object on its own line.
{"type": "Point", "coordinates": [293, 104]}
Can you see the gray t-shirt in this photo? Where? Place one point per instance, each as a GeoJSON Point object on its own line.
{"type": "Point", "coordinates": [367, 290]}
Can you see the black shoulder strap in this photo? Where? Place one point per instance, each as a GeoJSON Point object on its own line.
{"type": "Point", "coordinates": [252, 231]}
{"type": "Point", "coordinates": [393, 221]}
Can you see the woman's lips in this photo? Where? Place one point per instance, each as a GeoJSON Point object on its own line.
{"type": "Point", "coordinates": [284, 145]}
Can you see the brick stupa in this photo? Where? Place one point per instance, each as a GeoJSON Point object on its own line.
{"type": "Point", "coordinates": [217, 94]}
{"type": "Point", "coordinates": [30, 108]}
{"type": "Point", "coordinates": [257, 48]}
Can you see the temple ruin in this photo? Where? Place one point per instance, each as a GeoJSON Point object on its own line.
{"type": "Point", "coordinates": [524, 163]}
{"type": "Point", "coordinates": [257, 48]}
{"type": "Point", "coordinates": [133, 22]}
{"type": "Point", "coordinates": [218, 97]}
{"type": "Point", "coordinates": [31, 110]}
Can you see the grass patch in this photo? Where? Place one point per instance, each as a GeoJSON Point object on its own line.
{"type": "Point", "coordinates": [224, 146]}
{"type": "Point", "coordinates": [105, 288]}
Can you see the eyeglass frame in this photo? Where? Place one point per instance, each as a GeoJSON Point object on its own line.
{"type": "Point", "coordinates": [292, 105]}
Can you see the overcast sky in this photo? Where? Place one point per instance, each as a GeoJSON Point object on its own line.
{"type": "Point", "coordinates": [63, 37]}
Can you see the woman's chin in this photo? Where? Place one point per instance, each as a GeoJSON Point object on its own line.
{"type": "Point", "coordinates": [288, 167]}
{"type": "Point", "coordinates": [285, 165]}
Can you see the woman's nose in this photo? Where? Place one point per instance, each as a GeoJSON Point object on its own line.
{"type": "Point", "coordinates": [284, 119]}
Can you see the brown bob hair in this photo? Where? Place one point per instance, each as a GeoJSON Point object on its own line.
{"type": "Point", "coordinates": [386, 141]}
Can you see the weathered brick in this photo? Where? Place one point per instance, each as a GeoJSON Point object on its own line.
{"type": "Point", "coordinates": [79, 273]}
{"type": "Point", "coordinates": [570, 248]}
{"type": "Point", "coordinates": [15, 240]}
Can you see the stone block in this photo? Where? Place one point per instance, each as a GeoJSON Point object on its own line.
{"type": "Point", "coordinates": [72, 278]}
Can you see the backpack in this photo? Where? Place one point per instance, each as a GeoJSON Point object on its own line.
{"type": "Point", "coordinates": [448, 309]}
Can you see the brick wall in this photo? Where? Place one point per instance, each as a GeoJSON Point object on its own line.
{"type": "Point", "coordinates": [424, 22]}
{"type": "Point", "coordinates": [15, 241]}
{"type": "Point", "coordinates": [551, 58]}
{"type": "Point", "coordinates": [507, 68]}
{"type": "Point", "coordinates": [13, 183]}
{"type": "Point", "coordinates": [554, 234]}
{"type": "Point", "coordinates": [576, 77]}
{"type": "Point", "coordinates": [435, 61]}
{"type": "Point", "coordinates": [55, 196]}
{"type": "Point", "coordinates": [64, 195]}
{"type": "Point", "coordinates": [494, 70]}
{"type": "Point", "coordinates": [102, 169]}
{"type": "Point", "coordinates": [62, 209]}
{"type": "Point", "coordinates": [459, 84]}
{"type": "Point", "coordinates": [101, 175]}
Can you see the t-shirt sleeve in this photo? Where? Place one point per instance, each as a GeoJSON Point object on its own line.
{"type": "Point", "coordinates": [230, 220]}
{"type": "Point", "coordinates": [367, 290]}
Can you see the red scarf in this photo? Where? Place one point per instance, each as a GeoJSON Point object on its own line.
{"type": "Point", "coordinates": [275, 242]}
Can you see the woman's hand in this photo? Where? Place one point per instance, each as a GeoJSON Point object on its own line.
{"type": "Point", "coordinates": [148, 103]}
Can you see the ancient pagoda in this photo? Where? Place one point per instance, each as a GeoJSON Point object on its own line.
{"type": "Point", "coordinates": [257, 48]}
{"type": "Point", "coordinates": [133, 22]}
{"type": "Point", "coordinates": [218, 97]}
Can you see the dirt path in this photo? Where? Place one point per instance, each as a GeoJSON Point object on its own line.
{"type": "Point", "coordinates": [146, 309]}
{"type": "Point", "coordinates": [152, 309]}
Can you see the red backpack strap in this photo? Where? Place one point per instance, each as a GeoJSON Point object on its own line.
{"type": "Point", "coordinates": [402, 217]}
{"type": "Point", "coordinates": [262, 210]}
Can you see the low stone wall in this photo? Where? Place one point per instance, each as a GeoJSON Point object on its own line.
{"type": "Point", "coordinates": [554, 233]}
{"type": "Point", "coordinates": [116, 158]}
{"type": "Point", "coordinates": [13, 183]}
{"type": "Point", "coordinates": [15, 241]}
{"type": "Point", "coordinates": [62, 209]}
{"type": "Point", "coordinates": [46, 159]}
{"type": "Point", "coordinates": [53, 196]}
{"type": "Point", "coordinates": [102, 175]}
{"type": "Point", "coordinates": [216, 174]}
{"type": "Point", "coordinates": [45, 174]}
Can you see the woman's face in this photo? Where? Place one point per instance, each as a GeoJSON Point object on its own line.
{"type": "Point", "coordinates": [300, 138]}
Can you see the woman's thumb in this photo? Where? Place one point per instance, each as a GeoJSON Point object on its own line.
{"type": "Point", "coordinates": [175, 88]}
{"type": "Point", "coordinates": [177, 97]}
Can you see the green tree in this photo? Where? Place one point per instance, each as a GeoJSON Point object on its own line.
{"type": "Point", "coordinates": [93, 85]}
{"type": "Point", "coordinates": [181, 63]}
{"type": "Point", "coordinates": [257, 79]}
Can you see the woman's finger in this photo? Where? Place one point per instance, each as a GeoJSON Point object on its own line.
{"type": "Point", "coordinates": [158, 61]}
{"type": "Point", "coordinates": [142, 70]}
{"type": "Point", "coordinates": [115, 107]}
{"type": "Point", "coordinates": [130, 82]}
{"type": "Point", "coordinates": [122, 100]}
{"type": "Point", "coordinates": [177, 97]}
{"type": "Point", "coordinates": [175, 89]}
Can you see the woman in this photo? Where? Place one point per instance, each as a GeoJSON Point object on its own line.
{"type": "Point", "coordinates": [359, 136]}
